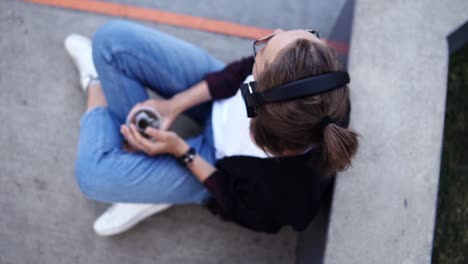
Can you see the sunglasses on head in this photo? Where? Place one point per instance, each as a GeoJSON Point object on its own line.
{"type": "Point", "coordinates": [261, 43]}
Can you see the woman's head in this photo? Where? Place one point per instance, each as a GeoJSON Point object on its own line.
{"type": "Point", "coordinates": [291, 127]}
{"type": "Point", "coordinates": [279, 40]}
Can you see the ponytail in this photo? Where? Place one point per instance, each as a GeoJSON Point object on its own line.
{"type": "Point", "coordinates": [339, 146]}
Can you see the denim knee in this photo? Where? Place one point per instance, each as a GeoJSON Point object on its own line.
{"type": "Point", "coordinates": [106, 36]}
{"type": "Point", "coordinates": [91, 177]}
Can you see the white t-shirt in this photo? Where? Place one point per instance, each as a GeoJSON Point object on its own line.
{"type": "Point", "coordinates": [231, 132]}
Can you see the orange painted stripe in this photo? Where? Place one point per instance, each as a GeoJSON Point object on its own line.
{"type": "Point", "coordinates": [158, 16]}
{"type": "Point", "coordinates": [169, 18]}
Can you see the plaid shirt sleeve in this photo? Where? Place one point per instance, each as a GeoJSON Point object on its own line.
{"type": "Point", "coordinates": [225, 83]}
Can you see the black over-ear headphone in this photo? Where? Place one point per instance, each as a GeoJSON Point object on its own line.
{"type": "Point", "coordinates": [306, 87]}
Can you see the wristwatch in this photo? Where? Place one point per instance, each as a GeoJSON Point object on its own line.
{"type": "Point", "coordinates": [188, 157]}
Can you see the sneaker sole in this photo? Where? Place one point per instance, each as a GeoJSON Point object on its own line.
{"type": "Point", "coordinates": [133, 221]}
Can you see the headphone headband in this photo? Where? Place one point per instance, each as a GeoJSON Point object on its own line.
{"type": "Point", "coordinates": [306, 87]}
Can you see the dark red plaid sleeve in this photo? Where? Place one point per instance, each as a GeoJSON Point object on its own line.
{"type": "Point", "coordinates": [225, 83]}
{"type": "Point", "coordinates": [218, 185]}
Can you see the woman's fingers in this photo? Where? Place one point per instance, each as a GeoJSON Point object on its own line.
{"type": "Point", "coordinates": [164, 141]}
{"type": "Point", "coordinates": [126, 131]}
{"type": "Point", "coordinates": [156, 134]}
{"type": "Point", "coordinates": [132, 137]}
{"type": "Point", "coordinates": [136, 139]}
{"type": "Point", "coordinates": [166, 124]}
{"type": "Point", "coordinates": [144, 144]}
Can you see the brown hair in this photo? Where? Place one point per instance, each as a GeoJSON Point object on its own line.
{"type": "Point", "coordinates": [295, 124]}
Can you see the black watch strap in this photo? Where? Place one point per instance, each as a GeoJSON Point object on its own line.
{"type": "Point", "coordinates": [188, 157]}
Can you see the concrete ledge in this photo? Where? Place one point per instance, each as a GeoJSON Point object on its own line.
{"type": "Point", "coordinates": [384, 206]}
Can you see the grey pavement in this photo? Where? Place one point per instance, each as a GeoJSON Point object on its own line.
{"type": "Point", "coordinates": [383, 208]}
{"type": "Point", "coordinates": [317, 14]}
{"type": "Point", "coordinates": [44, 217]}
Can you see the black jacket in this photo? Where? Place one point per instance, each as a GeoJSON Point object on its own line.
{"type": "Point", "coordinates": [267, 194]}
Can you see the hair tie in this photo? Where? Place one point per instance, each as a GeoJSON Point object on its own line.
{"type": "Point", "coordinates": [325, 122]}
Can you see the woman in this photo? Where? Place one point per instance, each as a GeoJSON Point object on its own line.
{"type": "Point", "coordinates": [262, 173]}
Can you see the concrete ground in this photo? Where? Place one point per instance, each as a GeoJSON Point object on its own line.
{"type": "Point", "coordinates": [44, 218]}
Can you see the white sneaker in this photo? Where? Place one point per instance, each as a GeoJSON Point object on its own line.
{"type": "Point", "coordinates": [120, 217]}
{"type": "Point", "coordinates": [80, 49]}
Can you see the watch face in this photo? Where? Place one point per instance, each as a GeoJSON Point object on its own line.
{"type": "Point", "coordinates": [188, 157]}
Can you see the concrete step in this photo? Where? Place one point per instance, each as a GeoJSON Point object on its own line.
{"type": "Point", "coordinates": [383, 208]}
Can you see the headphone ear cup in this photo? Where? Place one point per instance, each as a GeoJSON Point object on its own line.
{"type": "Point", "coordinates": [249, 96]}
{"type": "Point", "coordinates": [253, 86]}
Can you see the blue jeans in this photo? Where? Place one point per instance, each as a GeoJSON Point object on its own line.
{"type": "Point", "coordinates": [129, 57]}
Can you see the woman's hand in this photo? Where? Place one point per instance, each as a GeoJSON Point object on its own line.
{"type": "Point", "coordinates": [164, 141]}
{"type": "Point", "coordinates": [166, 109]}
